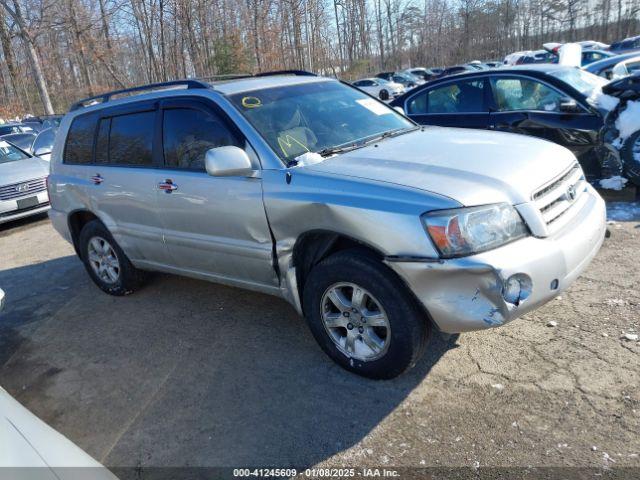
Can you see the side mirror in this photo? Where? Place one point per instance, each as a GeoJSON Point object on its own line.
{"type": "Point", "coordinates": [42, 151]}
{"type": "Point", "coordinates": [228, 161]}
{"type": "Point", "coordinates": [569, 106]}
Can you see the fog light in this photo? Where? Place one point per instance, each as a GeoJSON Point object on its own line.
{"type": "Point", "coordinates": [517, 288]}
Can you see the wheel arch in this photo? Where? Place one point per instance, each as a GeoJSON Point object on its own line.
{"type": "Point", "coordinates": [312, 246]}
{"type": "Point", "coordinates": [76, 220]}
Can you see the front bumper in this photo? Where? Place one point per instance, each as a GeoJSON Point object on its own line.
{"type": "Point", "coordinates": [10, 209]}
{"type": "Point", "coordinates": [465, 294]}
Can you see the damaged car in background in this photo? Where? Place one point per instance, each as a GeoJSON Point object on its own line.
{"type": "Point", "coordinates": [376, 230]}
{"type": "Point", "coordinates": [563, 104]}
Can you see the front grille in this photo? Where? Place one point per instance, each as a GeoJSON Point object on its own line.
{"type": "Point", "coordinates": [556, 198]}
{"type": "Point", "coordinates": [23, 189]}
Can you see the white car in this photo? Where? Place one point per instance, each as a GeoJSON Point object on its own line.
{"type": "Point", "coordinates": [379, 87]}
{"type": "Point", "coordinates": [625, 68]}
{"type": "Point", "coordinates": [27, 444]}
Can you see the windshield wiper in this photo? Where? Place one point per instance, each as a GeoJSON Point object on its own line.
{"type": "Point", "coordinates": [325, 152]}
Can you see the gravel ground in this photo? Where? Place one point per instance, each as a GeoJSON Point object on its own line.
{"type": "Point", "coordinates": [187, 373]}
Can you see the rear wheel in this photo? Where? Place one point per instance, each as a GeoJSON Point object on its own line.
{"type": "Point", "coordinates": [105, 262]}
{"type": "Point", "coordinates": [384, 95]}
{"type": "Point", "coordinates": [630, 154]}
{"type": "Point", "coordinates": [363, 316]}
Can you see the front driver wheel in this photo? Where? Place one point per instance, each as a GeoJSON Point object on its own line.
{"type": "Point", "coordinates": [363, 316]}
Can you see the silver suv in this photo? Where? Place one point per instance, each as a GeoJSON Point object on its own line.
{"type": "Point", "coordinates": [373, 228]}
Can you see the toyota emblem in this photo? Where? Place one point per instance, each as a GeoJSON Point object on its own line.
{"type": "Point", "coordinates": [23, 187]}
{"type": "Point", "coordinates": [571, 192]}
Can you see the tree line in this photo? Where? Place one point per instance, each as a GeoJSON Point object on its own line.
{"type": "Point", "coordinates": [56, 51]}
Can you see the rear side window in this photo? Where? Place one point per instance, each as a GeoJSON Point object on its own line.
{"type": "Point", "coordinates": [131, 139]}
{"type": "Point", "coordinates": [187, 135]}
{"type": "Point", "coordinates": [79, 146]}
{"type": "Point", "coordinates": [460, 97]}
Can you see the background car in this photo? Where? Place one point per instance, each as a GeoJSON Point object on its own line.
{"type": "Point", "coordinates": [43, 144]}
{"type": "Point", "coordinates": [528, 57]}
{"type": "Point", "coordinates": [625, 67]}
{"type": "Point", "coordinates": [1, 299]}
{"type": "Point", "coordinates": [23, 141]}
{"type": "Point", "coordinates": [458, 69]}
{"type": "Point", "coordinates": [23, 184]}
{"type": "Point", "coordinates": [548, 101]}
{"type": "Point", "coordinates": [407, 80]}
{"type": "Point", "coordinates": [15, 127]}
{"type": "Point", "coordinates": [379, 87]}
{"type": "Point", "coordinates": [626, 45]}
{"type": "Point", "coordinates": [43, 122]}
{"type": "Point", "coordinates": [603, 67]}
{"type": "Point", "coordinates": [425, 73]}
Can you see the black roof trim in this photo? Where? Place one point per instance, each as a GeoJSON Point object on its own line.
{"type": "Point", "coordinates": [105, 97]}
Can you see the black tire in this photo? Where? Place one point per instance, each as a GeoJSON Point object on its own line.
{"type": "Point", "coordinates": [631, 162]}
{"type": "Point", "coordinates": [384, 95]}
{"type": "Point", "coordinates": [129, 278]}
{"type": "Point", "coordinates": [410, 328]}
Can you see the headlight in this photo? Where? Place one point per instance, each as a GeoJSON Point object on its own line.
{"type": "Point", "coordinates": [464, 231]}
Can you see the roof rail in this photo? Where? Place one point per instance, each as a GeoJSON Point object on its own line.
{"type": "Point", "coordinates": [105, 97]}
{"type": "Point", "coordinates": [301, 73]}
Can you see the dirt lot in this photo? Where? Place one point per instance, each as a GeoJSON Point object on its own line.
{"type": "Point", "coordinates": [190, 373]}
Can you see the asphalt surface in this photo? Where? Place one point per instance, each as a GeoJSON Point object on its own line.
{"type": "Point", "coordinates": [188, 373]}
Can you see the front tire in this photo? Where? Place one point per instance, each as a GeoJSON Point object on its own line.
{"type": "Point", "coordinates": [106, 263]}
{"type": "Point", "coordinates": [630, 154]}
{"type": "Point", "coordinates": [363, 316]}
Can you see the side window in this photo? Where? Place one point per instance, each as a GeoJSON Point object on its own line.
{"type": "Point", "coordinates": [131, 139]}
{"type": "Point", "coordinates": [187, 134]}
{"type": "Point", "coordinates": [513, 94]}
{"type": "Point", "coordinates": [79, 145]}
{"type": "Point", "coordinates": [459, 97]}
{"type": "Point", "coordinates": [633, 66]}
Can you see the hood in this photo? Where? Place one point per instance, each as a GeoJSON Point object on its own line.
{"type": "Point", "coordinates": [473, 167]}
{"type": "Point", "coordinates": [23, 170]}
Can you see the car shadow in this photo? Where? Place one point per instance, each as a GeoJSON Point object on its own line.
{"type": "Point", "coordinates": [184, 372]}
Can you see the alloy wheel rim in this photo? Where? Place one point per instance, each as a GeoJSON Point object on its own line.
{"type": "Point", "coordinates": [103, 260]}
{"type": "Point", "coordinates": [355, 321]}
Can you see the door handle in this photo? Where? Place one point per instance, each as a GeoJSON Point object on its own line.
{"type": "Point", "coordinates": [168, 186]}
{"type": "Point", "coordinates": [97, 179]}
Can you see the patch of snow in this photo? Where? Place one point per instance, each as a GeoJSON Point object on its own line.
{"type": "Point", "coordinates": [623, 211]}
{"type": "Point", "coordinates": [613, 183]}
{"type": "Point", "coordinates": [498, 386]}
{"type": "Point", "coordinates": [601, 100]}
{"type": "Point", "coordinates": [552, 323]}
{"type": "Point", "coordinates": [632, 337]}
{"type": "Point", "coordinates": [308, 158]}
{"type": "Point", "coordinates": [629, 120]}
{"type": "Point", "coordinates": [570, 54]}
{"type": "Point", "coordinates": [594, 449]}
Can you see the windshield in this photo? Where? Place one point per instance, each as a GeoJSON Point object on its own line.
{"type": "Point", "coordinates": [316, 117]}
{"type": "Point", "coordinates": [584, 82]}
{"type": "Point", "coordinates": [9, 153]}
